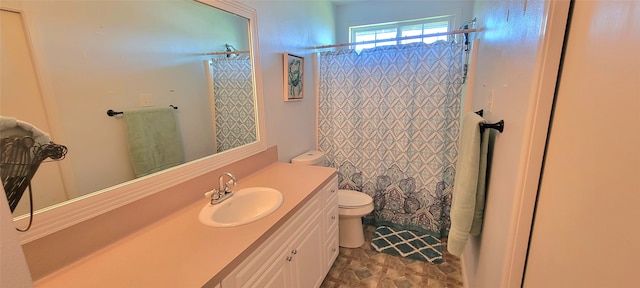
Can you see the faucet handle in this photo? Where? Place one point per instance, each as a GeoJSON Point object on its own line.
{"type": "Point", "coordinates": [213, 194]}
{"type": "Point", "coordinates": [227, 186]}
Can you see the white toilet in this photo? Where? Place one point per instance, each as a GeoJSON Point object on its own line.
{"type": "Point", "coordinates": [352, 205]}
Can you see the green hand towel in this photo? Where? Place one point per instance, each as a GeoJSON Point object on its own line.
{"type": "Point", "coordinates": [154, 140]}
{"type": "Point", "coordinates": [478, 214]}
{"type": "Point", "coordinates": [467, 208]}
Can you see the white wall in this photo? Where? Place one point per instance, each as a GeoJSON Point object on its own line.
{"type": "Point", "coordinates": [586, 225]}
{"type": "Point", "coordinates": [290, 26]}
{"type": "Point", "coordinates": [13, 267]}
{"type": "Point", "coordinates": [517, 64]}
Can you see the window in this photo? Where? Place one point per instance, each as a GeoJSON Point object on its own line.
{"type": "Point", "coordinates": [401, 29]}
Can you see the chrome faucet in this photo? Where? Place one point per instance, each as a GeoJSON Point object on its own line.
{"type": "Point", "coordinates": [224, 189]}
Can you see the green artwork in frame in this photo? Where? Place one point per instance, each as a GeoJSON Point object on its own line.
{"type": "Point", "coordinates": [293, 77]}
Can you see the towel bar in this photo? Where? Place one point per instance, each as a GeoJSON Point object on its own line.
{"type": "Point", "coordinates": [498, 126]}
{"type": "Point", "coordinates": [112, 113]}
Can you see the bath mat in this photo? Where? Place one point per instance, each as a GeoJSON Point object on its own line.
{"type": "Point", "coordinates": [409, 244]}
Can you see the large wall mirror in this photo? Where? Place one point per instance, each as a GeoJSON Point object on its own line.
{"type": "Point", "coordinates": [90, 56]}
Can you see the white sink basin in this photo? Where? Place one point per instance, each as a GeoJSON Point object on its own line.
{"type": "Point", "coordinates": [245, 206]}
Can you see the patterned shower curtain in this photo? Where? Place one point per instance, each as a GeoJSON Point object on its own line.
{"type": "Point", "coordinates": [234, 104]}
{"type": "Point", "coordinates": [388, 121]}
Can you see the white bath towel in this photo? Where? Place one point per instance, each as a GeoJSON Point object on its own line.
{"type": "Point", "coordinates": [12, 127]}
{"type": "Point", "coordinates": [467, 208]}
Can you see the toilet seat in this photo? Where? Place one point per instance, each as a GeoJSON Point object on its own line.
{"type": "Point", "coordinates": [354, 204]}
{"type": "Point", "coordinates": [353, 199]}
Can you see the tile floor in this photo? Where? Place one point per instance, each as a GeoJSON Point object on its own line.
{"type": "Point", "coordinates": [363, 267]}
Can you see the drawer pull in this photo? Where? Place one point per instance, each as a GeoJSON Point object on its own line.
{"type": "Point", "coordinates": [333, 217]}
{"type": "Point", "coordinates": [288, 258]}
{"type": "Point", "coordinates": [294, 251]}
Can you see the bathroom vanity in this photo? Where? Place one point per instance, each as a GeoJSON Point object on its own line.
{"type": "Point", "coordinates": [293, 247]}
{"type": "Point", "coordinates": [300, 253]}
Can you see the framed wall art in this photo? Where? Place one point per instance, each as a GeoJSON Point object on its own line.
{"type": "Point", "coordinates": [293, 77]}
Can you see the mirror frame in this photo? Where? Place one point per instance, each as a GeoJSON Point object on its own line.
{"type": "Point", "coordinates": [60, 216]}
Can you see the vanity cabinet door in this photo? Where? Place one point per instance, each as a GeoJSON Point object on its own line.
{"type": "Point", "coordinates": [307, 254]}
{"type": "Point", "coordinates": [331, 249]}
{"type": "Point", "coordinates": [277, 275]}
{"type": "Point", "coordinates": [263, 268]}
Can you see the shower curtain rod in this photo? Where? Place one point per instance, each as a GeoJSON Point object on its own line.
{"type": "Point", "coordinates": [459, 31]}
{"type": "Point", "coordinates": [228, 52]}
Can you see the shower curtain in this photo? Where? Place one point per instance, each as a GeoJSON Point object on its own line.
{"type": "Point", "coordinates": [388, 120]}
{"type": "Point", "coordinates": [234, 105]}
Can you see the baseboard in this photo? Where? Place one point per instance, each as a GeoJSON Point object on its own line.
{"type": "Point", "coordinates": [463, 268]}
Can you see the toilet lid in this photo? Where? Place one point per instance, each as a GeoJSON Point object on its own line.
{"type": "Point", "coordinates": [350, 198]}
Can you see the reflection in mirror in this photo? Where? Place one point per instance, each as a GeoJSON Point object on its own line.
{"type": "Point", "coordinates": [92, 56]}
{"type": "Point", "coordinates": [234, 107]}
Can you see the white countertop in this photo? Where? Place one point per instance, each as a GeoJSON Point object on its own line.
{"type": "Point", "coordinates": [179, 251]}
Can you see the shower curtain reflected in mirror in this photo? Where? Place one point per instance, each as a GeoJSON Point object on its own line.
{"type": "Point", "coordinates": [232, 97]}
{"type": "Point", "coordinates": [388, 121]}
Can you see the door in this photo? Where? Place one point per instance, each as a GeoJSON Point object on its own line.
{"type": "Point", "coordinates": [20, 98]}
{"type": "Point", "coordinates": [306, 254]}
{"type": "Point", "coordinates": [277, 275]}
{"type": "Point", "coordinates": [585, 231]}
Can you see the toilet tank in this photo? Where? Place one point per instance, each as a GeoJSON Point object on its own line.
{"type": "Point", "coordinates": [313, 157]}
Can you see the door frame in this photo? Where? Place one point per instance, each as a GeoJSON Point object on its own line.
{"type": "Point", "coordinates": [538, 117]}
{"type": "Point", "coordinates": [45, 87]}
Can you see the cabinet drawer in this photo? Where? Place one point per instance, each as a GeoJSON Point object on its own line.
{"type": "Point", "coordinates": [332, 198]}
{"type": "Point", "coordinates": [331, 216]}
{"type": "Point", "coordinates": [331, 190]}
{"type": "Point", "coordinates": [332, 248]}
